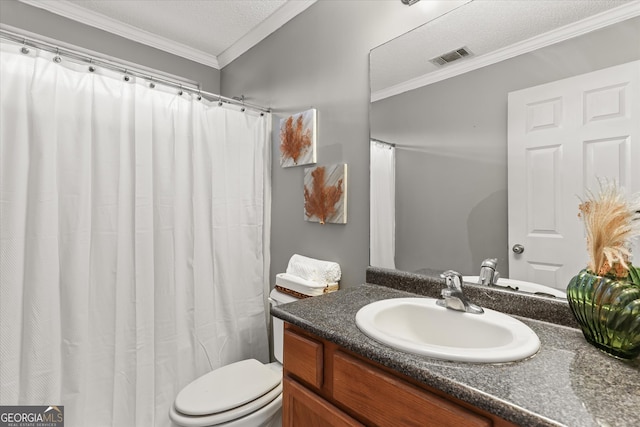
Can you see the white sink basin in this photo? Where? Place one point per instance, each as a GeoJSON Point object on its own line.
{"type": "Point", "coordinates": [521, 285]}
{"type": "Point", "coordinates": [419, 326]}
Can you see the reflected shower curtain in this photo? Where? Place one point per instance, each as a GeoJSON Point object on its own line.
{"type": "Point", "coordinates": [134, 239]}
{"type": "Point", "coordinates": [382, 228]}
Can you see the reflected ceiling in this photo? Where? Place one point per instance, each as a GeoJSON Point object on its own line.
{"type": "Point", "coordinates": [504, 23]}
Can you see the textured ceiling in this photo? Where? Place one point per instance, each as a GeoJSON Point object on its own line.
{"type": "Point", "coordinates": [211, 26]}
{"type": "Point", "coordinates": [484, 26]}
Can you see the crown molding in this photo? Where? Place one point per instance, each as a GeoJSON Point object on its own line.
{"type": "Point", "coordinates": [77, 13]}
{"type": "Point", "coordinates": [566, 32]}
{"type": "Point", "coordinates": [280, 17]}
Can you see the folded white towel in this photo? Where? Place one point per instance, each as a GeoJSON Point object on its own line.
{"type": "Point", "coordinates": [314, 269]}
{"type": "Point", "coordinates": [306, 287]}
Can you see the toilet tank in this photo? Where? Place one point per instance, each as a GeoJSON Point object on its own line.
{"type": "Point", "coordinates": [276, 298]}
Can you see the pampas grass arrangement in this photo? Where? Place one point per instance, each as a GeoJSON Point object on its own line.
{"type": "Point", "coordinates": [611, 221]}
{"type": "Point", "coordinates": [605, 297]}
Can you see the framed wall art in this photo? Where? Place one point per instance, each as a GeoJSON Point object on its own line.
{"type": "Point", "coordinates": [298, 139]}
{"type": "Point", "coordinates": [325, 194]}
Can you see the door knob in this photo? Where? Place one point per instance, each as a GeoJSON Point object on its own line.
{"type": "Point", "coordinates": [518, 248]}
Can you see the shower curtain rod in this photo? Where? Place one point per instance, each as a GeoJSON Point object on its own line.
{"type": "Point", "coordinates": [391, 144]}
{"type": "Point", "coordinates": [194, 89]}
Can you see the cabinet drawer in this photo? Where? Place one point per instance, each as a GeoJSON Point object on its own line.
{"type": "Point", "coordinates": [303, 358]}
{"type": "Point", "coordinates": [383, 400]}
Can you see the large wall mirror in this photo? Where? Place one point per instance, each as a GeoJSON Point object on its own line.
{"type": "Point", "coordinates": [448, 124]}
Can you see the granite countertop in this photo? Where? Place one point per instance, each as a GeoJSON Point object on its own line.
{"type": "Point", "coordinates": [568, 382]}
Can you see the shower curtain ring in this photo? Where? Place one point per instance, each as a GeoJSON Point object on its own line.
{"type": "Point", "coordinates": [180, 91]}
{"type": "Point", "coordinates": [91, 67]}
{"type": "Point", "coordinates": [219, 101]}
{"type": "Point", "coordinates": [240, 100]}
{"type": "Point", "coordinates": [199, 97]}
{"type": "Point", "coordinates": [24, 48]}
{"type": "Point", "coordinates": [57, 58]}
{"type": "Point", "coordinates": [126, 78]}
{"type": "Point", "coordinates": [151, 83]}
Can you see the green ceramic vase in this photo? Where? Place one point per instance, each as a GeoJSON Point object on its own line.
{"type": "Point", "coordinates": [608, 313]}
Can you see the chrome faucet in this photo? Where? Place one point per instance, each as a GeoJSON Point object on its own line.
{"type": "Point", "coordinates": [488, 273]}
{"type": "Point", "coordinates": [453, 297]}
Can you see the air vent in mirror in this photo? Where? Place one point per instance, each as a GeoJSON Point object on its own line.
{"type": "Point", "coordinates": [454, 55]}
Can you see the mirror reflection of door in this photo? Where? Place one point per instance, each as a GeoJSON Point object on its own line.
{"type": "Point", "coordinates": [563, 137]}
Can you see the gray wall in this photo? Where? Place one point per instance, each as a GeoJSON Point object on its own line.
{"type": "Point", "coordinates": [320, 59]}
{"type": "Point", "coordinates": [47, 24]}
{"type": "Point", "coordinates": [452, 191]}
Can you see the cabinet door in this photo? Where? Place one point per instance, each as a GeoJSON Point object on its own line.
{"type": "Point", "coordinates": [301, 407]}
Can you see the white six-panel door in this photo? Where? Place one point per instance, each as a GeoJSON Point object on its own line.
{"type": "Point", "coordinates": [562, 137]}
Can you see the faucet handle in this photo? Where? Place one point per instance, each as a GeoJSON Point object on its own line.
{"type": "Point", "coordinates": [488, 272]}
{"type": "Point", "coordinates": [453, 279]}
{"type": "Point", "coordinates": [490, 262]}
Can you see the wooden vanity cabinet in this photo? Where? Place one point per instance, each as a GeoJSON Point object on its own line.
{"type": "Point", "coordinates": [326, 385]}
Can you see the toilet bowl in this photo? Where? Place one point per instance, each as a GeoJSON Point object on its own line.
{"type": "Point", "coordinates": [247, 393]}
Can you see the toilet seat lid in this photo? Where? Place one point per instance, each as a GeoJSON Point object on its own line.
{"type": "Point", "coordinates": [254, 410]}
{"type": "Point", "coordinates": [226, 388]}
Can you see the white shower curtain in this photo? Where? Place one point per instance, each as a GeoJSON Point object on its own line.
{"type": "Point", "coordinates": [134, 240]}
{"type": "Point", "coordinates": [382, 221]}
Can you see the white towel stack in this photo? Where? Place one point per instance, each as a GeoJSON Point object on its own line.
{"type": "Point", "coordinates": [309, 276]}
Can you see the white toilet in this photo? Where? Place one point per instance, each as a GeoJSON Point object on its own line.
{"type": "Point", "coordinates": [243, 394]}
